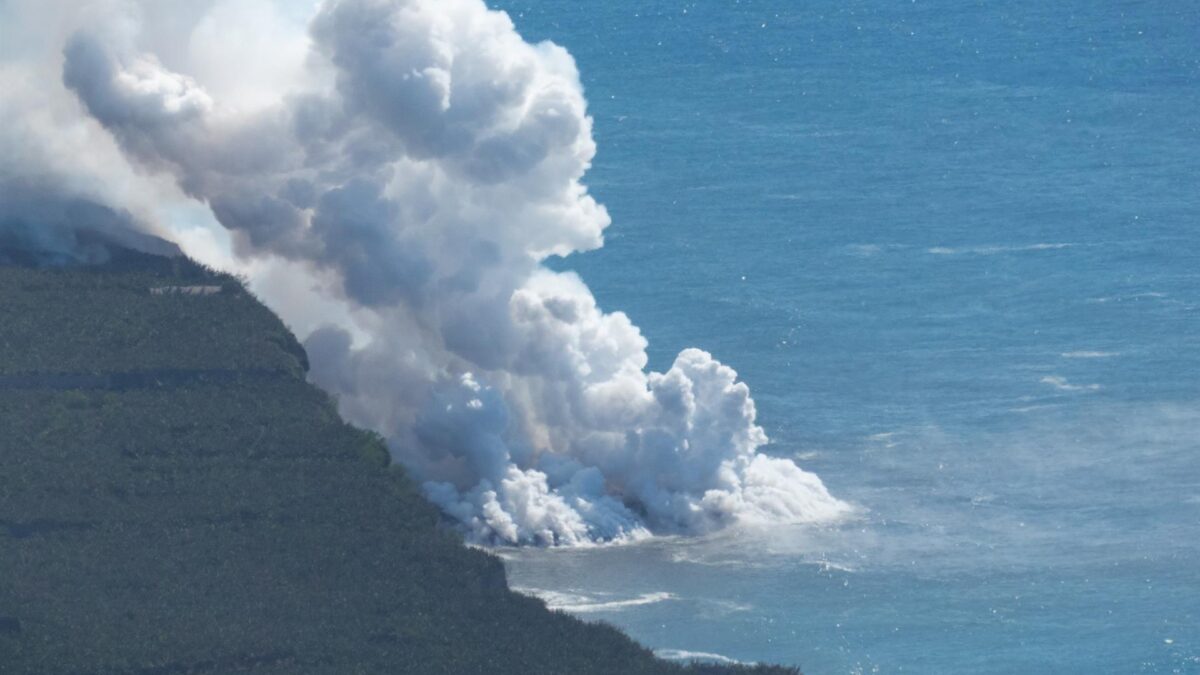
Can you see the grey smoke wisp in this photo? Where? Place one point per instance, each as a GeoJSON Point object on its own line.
{"type": "Point", "coordinates": [417, 173]}
{"type": "Point", "coordinates": [41, 223]}
{"type": "Point", "coordinates": [49, 214]}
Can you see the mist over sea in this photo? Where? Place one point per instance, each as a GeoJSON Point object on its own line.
{"type": "Point", "coordinates": [952, 247]}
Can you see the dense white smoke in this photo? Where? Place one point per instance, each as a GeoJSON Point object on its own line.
{"type": "Point", "coordinates": [416, 162]}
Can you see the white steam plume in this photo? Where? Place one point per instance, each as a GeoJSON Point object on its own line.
{"type": "Point", "coordinates": [418, 164]}
{"type": "Point", "coordinates": [53, 208]}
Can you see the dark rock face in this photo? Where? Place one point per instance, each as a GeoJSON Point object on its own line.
{"type": "Point", "coordinates": [42, 527]}
{"type": "Point", "coordinates": [175, 498]}
{"type": "Point", "coordinates": [125, 381]}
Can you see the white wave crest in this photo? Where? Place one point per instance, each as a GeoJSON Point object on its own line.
{"type": "Point", "coordinates": [577, 603]}
{"type": "Point", "coordinates": [994, 250]}
{"type": "Point", "coordinates": [685, 655]}
{"type": "Point", "coordinates": [1062, 384]}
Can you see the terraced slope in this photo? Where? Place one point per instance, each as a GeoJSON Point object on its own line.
{"type": "Point", "coordinates": [175, 498]}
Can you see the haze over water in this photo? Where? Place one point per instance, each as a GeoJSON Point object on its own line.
{"type": "Point", "coordinates": [952, 248]}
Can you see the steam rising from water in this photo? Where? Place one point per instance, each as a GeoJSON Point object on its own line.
{"type": "Point", "coordinates": [417, 171]}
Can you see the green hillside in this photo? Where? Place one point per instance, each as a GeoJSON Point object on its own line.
{"type": "Point", "coordinates": [176, 499]}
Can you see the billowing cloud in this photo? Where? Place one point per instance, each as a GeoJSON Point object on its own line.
{"type": "Point", "coordinates": [416, 177]}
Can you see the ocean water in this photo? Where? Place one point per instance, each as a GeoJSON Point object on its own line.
{"type": "Point", "coordinates": [953, 249]}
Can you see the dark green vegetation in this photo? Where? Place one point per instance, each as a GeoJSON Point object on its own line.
{"type": "Point", "coordinates": [175, 498]}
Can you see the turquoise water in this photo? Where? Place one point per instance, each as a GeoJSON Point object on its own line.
{"type": "Point", "coordinates": [952, 248]}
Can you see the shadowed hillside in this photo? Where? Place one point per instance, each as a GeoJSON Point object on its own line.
{"type": "Point", "coordinates": [175, 498]}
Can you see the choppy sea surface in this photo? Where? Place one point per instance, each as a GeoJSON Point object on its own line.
{"type": "Point", "coordinates": [953, 248]}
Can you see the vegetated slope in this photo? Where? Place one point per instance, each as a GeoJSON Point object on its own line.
{"type": "Point", "coordinates": [175, 498]}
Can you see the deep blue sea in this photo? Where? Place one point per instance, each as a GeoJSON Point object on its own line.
{"type": "Point", "coordinates": [953, 248]}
